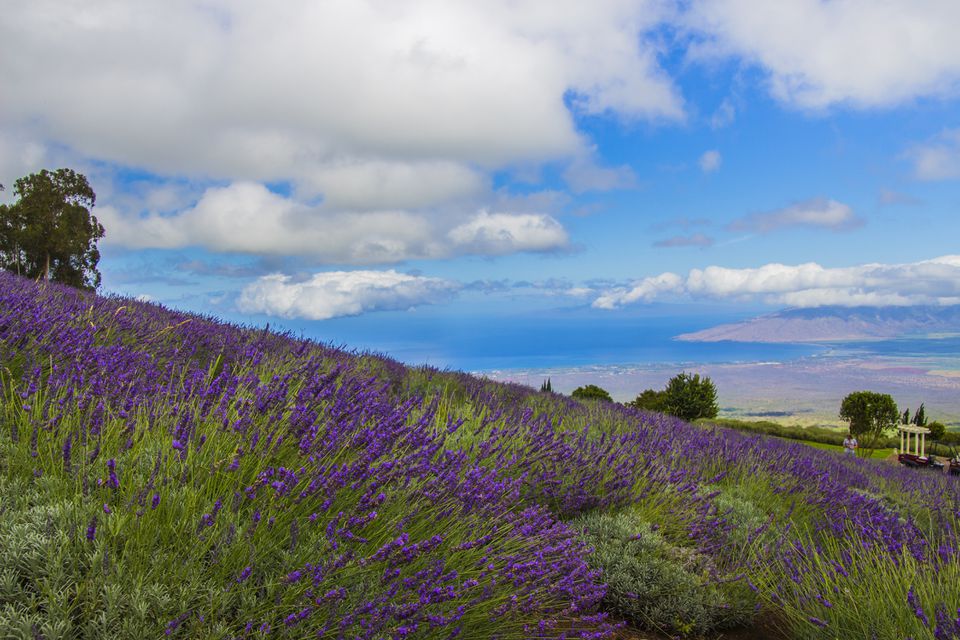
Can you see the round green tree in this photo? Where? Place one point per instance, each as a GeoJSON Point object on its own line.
{"type": "Point", "coordinates": [937, 430]}
{"type": "Point", "coordinates": [591, 392]}
{"type": "Point", "coordinates": [870, 414]}
{"type": "Point", "coordinates": [649, 400]}
{"type": "Point", "coordinates": [689, 397]}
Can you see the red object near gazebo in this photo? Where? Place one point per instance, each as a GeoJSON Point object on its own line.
{"type": "Point", "coordinates": [912, 451]}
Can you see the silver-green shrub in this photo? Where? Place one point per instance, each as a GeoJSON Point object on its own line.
{"type": "Point", "coordinates": [658, 585]}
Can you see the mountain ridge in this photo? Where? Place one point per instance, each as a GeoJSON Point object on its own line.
{"type": "Point", "coordinates": [834, 324]}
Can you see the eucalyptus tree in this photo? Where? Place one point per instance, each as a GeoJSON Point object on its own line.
{"type": "Point", "coordinates": [49, 232]}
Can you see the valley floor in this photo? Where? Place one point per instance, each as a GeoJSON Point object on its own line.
{"type": "Point", "coordinates": [805, 392]}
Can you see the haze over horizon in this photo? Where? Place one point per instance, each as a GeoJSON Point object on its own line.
{"type": "Point", "coordinates": [333, 166]}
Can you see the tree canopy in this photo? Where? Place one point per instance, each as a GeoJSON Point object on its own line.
{"type": "Point", "coordinates": [937, 430]}
{"type": "Point", "coordinates": [870, 415]}
{"type": "Point", "coordinates": [686, 396]}
{"type": "Point", "coordinates": [49, 232]}
{"type": "Point", "coordinates": [649, 400]}
{"type": "Point", "coordinates": [690, 397]}
{"type": "Point", "coordinates": [591, 392]}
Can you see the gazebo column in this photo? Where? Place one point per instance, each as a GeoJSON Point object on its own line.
{"type": "Point", "coordinates": [923, 444]}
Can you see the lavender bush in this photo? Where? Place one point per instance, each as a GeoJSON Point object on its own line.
{"type": "Point", "coordinates": [166, 474]}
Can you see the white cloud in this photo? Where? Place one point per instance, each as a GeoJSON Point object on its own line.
{"type": "Point", "coordinates": [372, 185]}
{"type": "Point", "coordinates": [858, 52]}
{"type": "Point", "coordinates": [341, 293]}
{"type": "Point", "coordinates": [710, 161]}
{"type": "Point", "coordinates": [935, 281]}
{"type": "Point", "coordinates": [242, 90]}
{"type": "Point", "coordinates": [500, 233]}
{"type": "Point", "coordinates": [939, 159]}
{"type": "Point", "coordinates": [644, 290]}
{"type": "Point", "coordinates": [19, 156]}
{"type": "Point", "coordinates": [246, 217]}
{"type": "Point", "coordinates": [817, 212]}
{"type": "Point", "coordinates": [387, 121]}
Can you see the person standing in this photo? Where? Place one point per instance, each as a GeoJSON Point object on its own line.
{"type": "Point", "coordinates": [850, 444]}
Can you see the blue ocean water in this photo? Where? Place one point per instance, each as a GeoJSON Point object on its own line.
{"type": "Point", "coordinates": [576, 338]}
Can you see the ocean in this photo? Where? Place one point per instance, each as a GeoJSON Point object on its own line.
{"type": "Point", "coordinates": [575, 338]}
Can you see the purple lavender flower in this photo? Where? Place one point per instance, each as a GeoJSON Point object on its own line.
{"type": "Point", "coordinates": [917, 608]}
{"type": "Point", "coordinates": [67, 448]}
{"type": "Point", "coordinates": [113, 482]}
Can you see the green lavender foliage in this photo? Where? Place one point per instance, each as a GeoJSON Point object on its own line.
{"type": "Point", "coordinates": [658, 585]}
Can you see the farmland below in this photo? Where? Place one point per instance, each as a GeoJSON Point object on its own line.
{"type": "Point", "coordinates": [164, 474]}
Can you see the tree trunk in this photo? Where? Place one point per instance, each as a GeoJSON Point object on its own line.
{"type": "Point", "coordinates": [46, 268]}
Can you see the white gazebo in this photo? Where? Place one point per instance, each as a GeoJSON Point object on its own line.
{"type": "Point", "coordinates": [918, 435]}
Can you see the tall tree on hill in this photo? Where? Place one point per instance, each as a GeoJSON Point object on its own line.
{"type": "Point", "coordinates": [870, 415]}
{"type": "Point", "coordinates": [920, 417]}
{"type": "Point", "coordinates": [49, 232]}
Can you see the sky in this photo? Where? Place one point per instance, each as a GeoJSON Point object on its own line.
{"type": "Point", "coordinates": [348, 167]}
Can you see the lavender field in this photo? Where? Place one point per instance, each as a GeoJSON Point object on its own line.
{"type": "Point", "coordinates": [163, 474]}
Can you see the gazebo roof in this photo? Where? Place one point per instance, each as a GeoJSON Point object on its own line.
{"type": "Point", "coordinates": [912, 428]}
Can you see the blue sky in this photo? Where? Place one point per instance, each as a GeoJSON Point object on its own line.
{"type": "Point", "coordinates": [389, 162]}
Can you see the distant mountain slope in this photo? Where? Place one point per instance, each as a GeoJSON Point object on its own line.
{"type": "Point", "coordinates": [829, 324]}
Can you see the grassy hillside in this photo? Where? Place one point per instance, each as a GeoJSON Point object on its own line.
{"type": "Point", "coordinates": [165, 474]}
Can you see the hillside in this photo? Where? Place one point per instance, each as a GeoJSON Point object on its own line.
{"type": "Point", "coordinates": [163, 474]}
{"type": "Point", "coordinates": [835, 324]}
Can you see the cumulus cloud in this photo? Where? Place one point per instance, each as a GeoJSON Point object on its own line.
{"type": "Point", "coordinates": [643, 291]}
{"type": "Point", "coordinates": [857, 52]}
{"type": "Point", "coordinates": [499, 233]}
{"type": "Point", "coordinates": [239, 90]}
{"type": "Point", "coordinates": [341, 293]}
{"type": "Point", "coordinates": [377, 185]}
{"type": "Point", "coordinates": [695, 240]}
{"type": "Point", "coordinates": [817, 212]}
{"type": "Point", "coordinates": [938, 159]}
{"type": "Point", "coordinates": [935, 281]}
{"type": "Point", "coordinates": [385, 122]}
{"type": "Point", "coordinates": [247, 217]}
{"type": "Point", "coordinates": [710, 161]}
